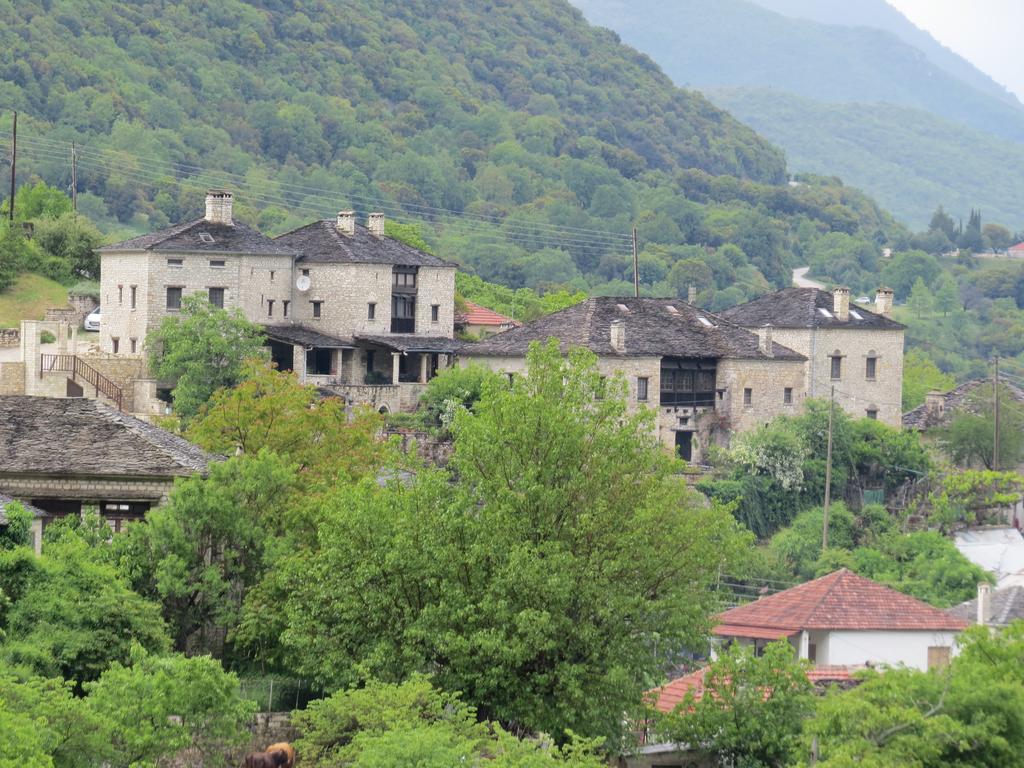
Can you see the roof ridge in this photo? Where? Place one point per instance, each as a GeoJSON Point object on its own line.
{"type": "Point", "coordinates": [836, 577]}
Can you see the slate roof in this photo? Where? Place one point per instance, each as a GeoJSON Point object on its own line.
{"type": "Point", "coordinates": [839, 601]}
{"type": "Point", "coordinates": [477, 315]}
{"type": "Point", "coordinates": [307, 337]}
{"type": "Point", "coordinates": [410, 343]}
{"type": "Point", "coordinates": [802, 308]}
{"type": "Point", "coordinates": [321, 242]}
{"type": "Point", "coordinates": [5, 500]}
{"type": "Point", "coordinates": [75, 436]}
{"type": "Point", "coordinates": [957, 400]}
{"type": "Point", "coordinates": [653, 327]}
{"type": "Point", "coordinates": [1006, 604]}
{"type": "Point", "coordinates": [185, 238]}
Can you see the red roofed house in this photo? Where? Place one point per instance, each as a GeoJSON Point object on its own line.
{"type": "Point", "coordinates": [481, 321]}
{"type": "Point", "coordinates": [846, 620]}
{"type": "Point", "coordinates": [1016, 251]}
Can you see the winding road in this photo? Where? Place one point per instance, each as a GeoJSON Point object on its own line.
{"type": "Point", "coordinates": [800, 279]}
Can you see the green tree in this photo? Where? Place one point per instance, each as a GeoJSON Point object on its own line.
{"type": "Point", "coordinates": [947, 295]}
{"type": "Point", "coordinates": [751, 709]}
{"type": "Point", "coordinates": [455, 388]}
{"type": "Point", "coordinates": [922, 300]}
{"type": "Point", "coordinates": [202, 349]}
{"type": "Point", "coordinates": [969, 437]}
{"type": "Point", "coordinates": [17, 532]}
{"type": "Point", "coordinates": [160, 705]}
{"type": "Point", "coordinates": [73, 239]}
{"type": "Point", "coordinates": [534, 577]}
{"type": "Point", "coordinates": [200, 554]}
{"type": "Point", "coordinates": [921, 376]}
{"type": "Point", "coordinates": [413, 723]}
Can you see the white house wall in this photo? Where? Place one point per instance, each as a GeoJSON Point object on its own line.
{"type": "Point", "coordinates": [853, 648]}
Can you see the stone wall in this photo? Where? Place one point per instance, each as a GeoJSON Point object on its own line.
{"type": "Point", "coordinates": [63, 315]}
{"type": "Point", "coordinates": [83, 304]}
{"type": "Point", "coordinates": [10, 337]}
{"type": "Point", "coordinates": [86, 488]}
{"type": "Point", "coordinates": [12, 378]}
{"type": "Point", "coordinates": [432, 449]}
{"type": "Point", "coordinates": [119, 273]}
{"type": "Point", "coordinates": [767, 381]}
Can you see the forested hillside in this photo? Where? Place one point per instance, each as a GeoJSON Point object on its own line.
{"type": "Point", "coordinates": [527, 141]}
{"type": "Point", "coordinates": [841, 74]}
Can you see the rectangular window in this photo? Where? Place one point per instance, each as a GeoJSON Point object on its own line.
{"type": "Point", "coordinates": [787, 396]}
{"type": "Point", "coordinates": [305, 273]}
{"type": "Point", "coordinates": [317, 305]}
{"type": "Point", "coordinates": [872, 413]}
{"type": "Point", "coordinates": [284, 307]}
{"type": "Point", "coordinates": [217, 297]}
{"type": "Point", "coordinates": [371, 311]}
{"type": "Point", "coordinates": [134, 344]}
{"type": "Point", "coordinates": [174, 297]}
{"type": "Point", "coordinates": [270, 307]}
{"type": "Point", "coordinates": [404, 278]}
{"type": "Point", "coordinates": [217, 263]}
{"type": "Point", "coordinates": [120, 294]}
{"type": "Point", "coordinates": [837, 367]}
{"type": "Point", "coordinates": [271, 275]}
{"type": "Point", "coordinates": [938, 656]}
{"type": "Point", "coordinates": [435, 313]}
{"type": "Point", "coordinates": [748, 396]}
{"type": "Point", "coordinates": [870, 367]}
{"type": "Point", "coordinates": [115, 343]}
{"type": "Point", "coordinates": [175, 262]}
{"type": "Point", "coordinates": [135, 291]}
{"type": "Point", "coordinates": [641, 389]}
{"type": "Point", "coordinates": [369, 361]}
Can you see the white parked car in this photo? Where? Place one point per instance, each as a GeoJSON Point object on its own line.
{"type": "Point", "coordinates": [92, 320]}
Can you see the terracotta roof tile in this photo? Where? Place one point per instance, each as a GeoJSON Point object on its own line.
{"type": "Point", "coordinates": [477, 315]}
{"type": "Point", "coordinates": [838, 601]}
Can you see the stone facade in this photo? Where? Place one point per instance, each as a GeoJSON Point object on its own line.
{"type": "Point", "coordinates": [10, 337]}
{"type": "Point", "coordinates": [855, 391]}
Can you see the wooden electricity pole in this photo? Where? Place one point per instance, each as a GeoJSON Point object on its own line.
{"type": "Point", "coordinates": [14, 164]}
{"type": "Point", "coordinates": [636, 268]}
{"type": "Point", "coordinates": [828, 472]}
{"type": "Point", "coordinates": [995, 416]}
{"type": "Point", "coordinates": [74, 178]}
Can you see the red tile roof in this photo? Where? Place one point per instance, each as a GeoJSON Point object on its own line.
{"type": "Point", "coordinates": [841, 600]}
{"type": "Point", "coordinates": [1017, 247]}
{"type": "Point", "coordinates": [668, 697]}
{"type": "Point", "coordinates": [477, 315]}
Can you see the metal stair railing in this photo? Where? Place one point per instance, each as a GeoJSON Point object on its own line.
{"type": "Point", "coordinates": [79, 369]}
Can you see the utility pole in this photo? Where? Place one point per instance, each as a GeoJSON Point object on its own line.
{"type": "Point", "coordinates": [636, 268]}
{"type": "Point", "coordinates": [995, 416]}
{"type": "Point", "coordinates": [74, 178]}
{"type": "Point", "coordinates": [828, 473]}
{"type": "Point", "coordinates": [14, 163]}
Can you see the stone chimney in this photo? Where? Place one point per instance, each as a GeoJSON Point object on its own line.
{"type": "Point", "coordinates": [841, 303]}
{"type": "Point", "coordinates": [375, 223]}
{"type": "Point", "coordinates": [691, 294]}
{"type": "Point", "coordinates": [984, 603]}
{"type": "Point", "coordinates": [765, 337]}
{"type": "Point", "coordinates": [347, 222]}
{"type": "Point", "coordinates": [618, 336]}
{"type": "Point", "coordinates": [883, 301]}
{"type": "Point", "coordinates": [218, 207]}
{"type": "Point", "coordinates": [935, 405]}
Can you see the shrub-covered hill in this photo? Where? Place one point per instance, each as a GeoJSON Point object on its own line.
{"type": "Point", "coordinates": [548, 136]}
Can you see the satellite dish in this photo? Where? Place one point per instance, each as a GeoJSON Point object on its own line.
{"type": "Point", "coordinates": [303, 283]}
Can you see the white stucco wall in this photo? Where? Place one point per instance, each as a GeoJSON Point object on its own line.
{"type": "Point", "coordinates": [878, 647]}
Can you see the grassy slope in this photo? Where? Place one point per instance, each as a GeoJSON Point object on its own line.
{"type": "Point", "coordinates": [908, 159]}
{"type": "Point", "coordinates": [29, 298]}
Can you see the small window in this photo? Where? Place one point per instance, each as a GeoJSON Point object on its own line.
{"type": "Point", "coordinates": [135, 291]}
{"type": "Point", "coordinates": [435, 313]}
{"type": "Point", "coordinates": [748, 396]}
{"type": "Point", "coordinates": [872, 413]}
{"type": "Point", "coordinates": [120, 294]}
{"type": "Point", "coordinates": [115, 343]}
{"type": "Point", "coordinates": [870, 367]}
{"type": "Point", "coordinates": [938, 656]}
{"type": "Point", "coordinates": [371, 310]}
{"type": "Point", "coordinates": [217, 263]}
{"type": "Point", "coordinates": [317, 307]}
{"type": "Point", "coordinates": [787, 396]}
{"type": "Point", "coordinates": [305, 273]}
{"type": "Point", "coordinates": [641, 389]}
{"type": "Point", "coordinates": [206, 237]}
{"type": "Point", "coordinates": [173, 297]}
{"type": "Point", "coordinates": [175, 262]}
{"type": "Point", "coordinates": [270, 307]}
{"type": "Point", "coordinates": [271, 275]}
{"type": "Point", "coordinates": [217, 297]}
{"type": "Point", "coordinates": [284, 307]}
{"type": "Point", "coordinates": [837, 367]}
{"type": "Point", "coordinates": [134, 344]}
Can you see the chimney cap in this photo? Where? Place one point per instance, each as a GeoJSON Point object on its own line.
{"type": "Point", "coordinates": [841, 289]}
{"type": "Point", "coordinates": [885, 289]}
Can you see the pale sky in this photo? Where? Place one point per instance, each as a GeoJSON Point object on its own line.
{"type": "Point", "coordinates": [988, 33]}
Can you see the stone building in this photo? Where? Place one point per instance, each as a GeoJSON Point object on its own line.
{"type": "Point", "coordinates": [59, 454]}
{"type": "Point", "coordinates": [705, 376]}
{"type": "Point", "coordinates": [855, 350]}
{"type": "Point", "coordinates": [344, 306]}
